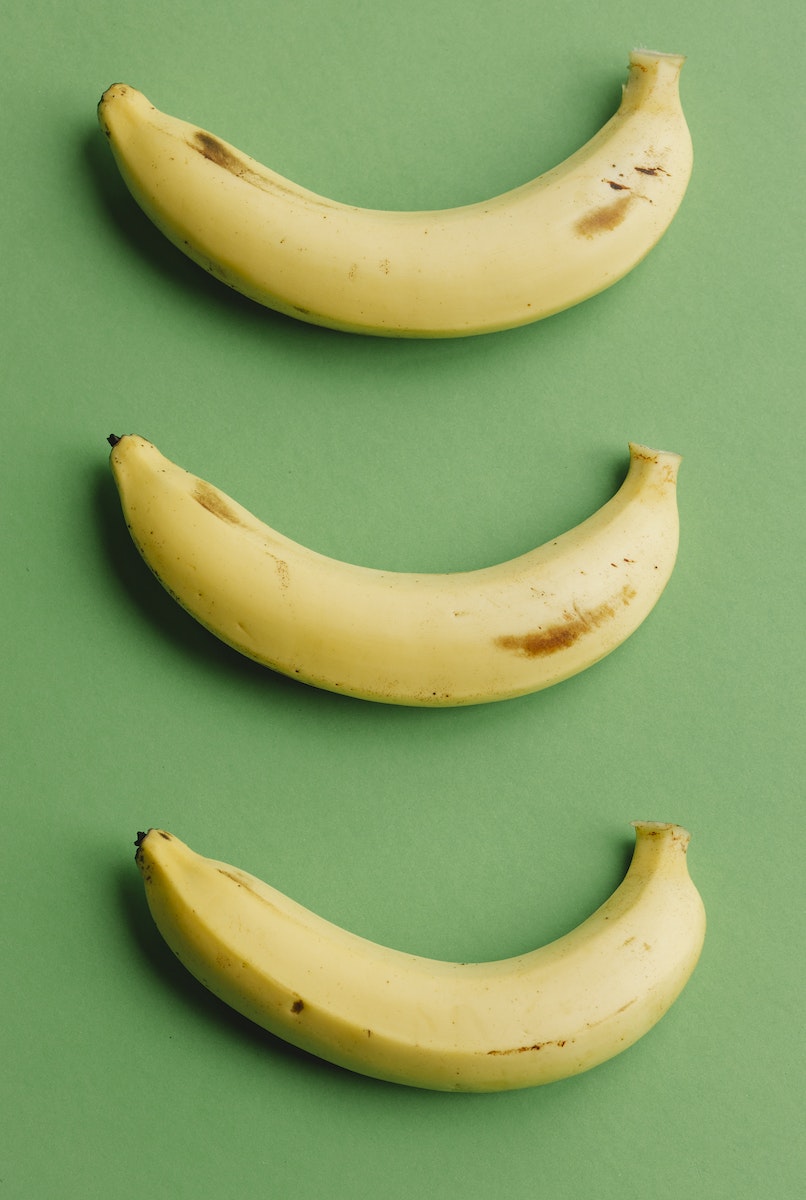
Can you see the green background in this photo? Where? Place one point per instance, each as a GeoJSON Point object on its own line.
{"type": "Point", "coordinates": [463, 834]}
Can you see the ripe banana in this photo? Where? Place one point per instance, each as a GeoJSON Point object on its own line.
{"type": "Point", "coordinates": [507, 261]}
{"type": "Point", "coordinates": [448, 1026]}
{"type": "Point", "coordinates": [401, 638]}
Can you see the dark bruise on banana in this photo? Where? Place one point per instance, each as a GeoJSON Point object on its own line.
{"type": "Point", "coordinates": [213, 502]}
{"type": "Point", "coordinates": [607, 217]}
{"type": "Point", "coordinates": [575, 625]}
{"type": "Point", "coordinates": [216, 151]}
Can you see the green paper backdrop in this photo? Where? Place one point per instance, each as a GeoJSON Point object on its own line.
{"type": "Point", "coordinates": [462, 834]}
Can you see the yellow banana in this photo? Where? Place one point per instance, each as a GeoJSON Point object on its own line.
{"type": "Point", "coordinates": [498, 263]}
{"type": "Point", "coordinates": [448, 1026]}
{"type": "Point", "coordinates": [405, 638]}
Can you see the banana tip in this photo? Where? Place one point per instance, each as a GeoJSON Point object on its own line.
{"type": "Point", "coordinates": [662, 829]}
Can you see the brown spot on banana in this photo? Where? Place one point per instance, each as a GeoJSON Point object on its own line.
{"type": "Point", "coordinates": [624, 1007]}
{"type": "Point", "coordinates": [576, 624]}
{"type": "Point", "coordinates": [212, 500]}
{"type": "Point", "coordinates": [604, 218]}
{"type": "Point", "coordinates": [526, 1049]}
{"type": "Point", "coordinates": [213, 149]}
{"type": "Point", "coordinates": [282, 570]}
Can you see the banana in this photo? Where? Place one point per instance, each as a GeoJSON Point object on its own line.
{"type": "Point", "coordinates": [448, 1026]}
{"type": "Point", "coordinates": [402, 638]}
{"type": "Point", "coordinates": [495, 264]}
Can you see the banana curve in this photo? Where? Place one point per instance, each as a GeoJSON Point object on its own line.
{"type": "Point", "coordinates": [399, 637]}
{"type": "Point", "coordinates": [518, 1022]}
{"type": "Point", "coordinates": [515, 258]}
